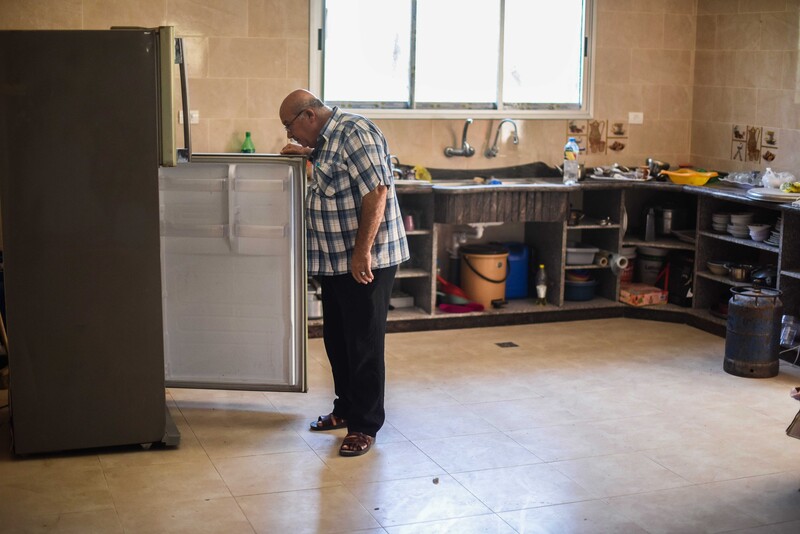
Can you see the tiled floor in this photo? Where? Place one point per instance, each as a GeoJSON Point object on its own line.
{"type": "Point", "coordinates": [599, 426]}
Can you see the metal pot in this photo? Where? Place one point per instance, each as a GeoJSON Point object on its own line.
{"type": "Point", "coordinates": [740, 272]}
{"type": "Point", "coordinates": [575, 216]}
{"type": "Point", "coordinates": [766, 276]}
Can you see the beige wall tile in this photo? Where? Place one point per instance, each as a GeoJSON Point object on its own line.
{"type": "Point", "coordinates": [196, 51]}
{"type": "Point", "coordinates": [630, 30]}
{"type": "Point", "coordinates": [676, 102]}
{"type": "Point", "coordinates": [264, 96]}
{"type": "Point", "coordinates": [778, 31]}
{"type": "Point", "coordinates": [738, 32]}
{"type": "Point", "coordinates": [297, 59]}
{"type": "Point", "coordinates": [219, 98]}
{"type": "Point", "coordinates": [661, 66]}
{"type": "Point", "coordinates": [789, 70]}
{"type": "Point", "coordinates": [679, 31]}
{"type": "Point", "coordinates": [777, 108]}
{"type": "Point", "coordinates": [615, 5]}
{"type": "Point", "coordinates": [102, 14]}
{"type": "Point", "coordinates": [758, 69]}
{"type": "Point", "coordinates": [744, 105]}
{"type": "Point", "coordinates": [208, 17]}
{"type": "Point", "coordinates": [760, 6]}
{"type": "Point", "coordinates": [243, 58]}
{"type": "Point", "coordinates": [687, 7]}
{"type": "Point", "coordinates": [613, 65]}
{"type": "Point", "coordinates": [716, 6]}
{"type": "Point", "coordinates": [278, 18]}
{"type": "Point", "coordinates": [40, 14]}
{"type": "Point", "coordinates": [706, 32]}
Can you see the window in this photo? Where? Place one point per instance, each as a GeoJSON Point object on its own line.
{"type": "Point", "coordinates": [453, 58]}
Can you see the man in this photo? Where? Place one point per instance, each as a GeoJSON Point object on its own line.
{"type": "Point", "coordinates": [355, 242]}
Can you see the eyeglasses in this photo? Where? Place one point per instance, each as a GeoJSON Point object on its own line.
{"type": "Point", "coordinates": [288, 125]}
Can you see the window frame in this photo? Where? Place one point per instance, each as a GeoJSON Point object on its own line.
{"type": "Point", "coordinates": [315, 67]}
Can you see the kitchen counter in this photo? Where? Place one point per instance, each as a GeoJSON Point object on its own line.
{"type": "Point", "coordinates": [542, 204]}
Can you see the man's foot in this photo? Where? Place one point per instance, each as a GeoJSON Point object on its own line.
{"type": "Point", "coordinates": [356, 444]}
{"type": "Point", "coordinates": [328, 422]}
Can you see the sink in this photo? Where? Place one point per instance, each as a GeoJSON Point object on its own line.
{"type": "Point", "coordinates": [504, 182]}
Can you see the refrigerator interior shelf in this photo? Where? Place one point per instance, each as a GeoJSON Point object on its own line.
{"type": "Point", "coordinates": [264, 232]}
{"type": "Point", "coordinates": [193, 230]}
{"type": "Point", "coordinates": [259, 186]}
{"type": "Point", "coordinates": [173, 183]}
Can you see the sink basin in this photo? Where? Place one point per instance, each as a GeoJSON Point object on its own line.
{"type": "Point", "coordinates": [504, 182]}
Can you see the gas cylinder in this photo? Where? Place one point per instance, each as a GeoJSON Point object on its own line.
{"type": "Point", "coordinates": [752, 341]}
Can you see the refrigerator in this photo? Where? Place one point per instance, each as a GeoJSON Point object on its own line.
{"type": "Point", "coordinates": [119, 275]}
{"type": "Point", "coordinates": [234, 272]}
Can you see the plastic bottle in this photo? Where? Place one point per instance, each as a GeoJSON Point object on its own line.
{"type": "Point", "coordinates": [247, 146]}
{"type": "Point", "coordinates": [540, 281]}
{"type": "Point", "coordinates": [571, 167]}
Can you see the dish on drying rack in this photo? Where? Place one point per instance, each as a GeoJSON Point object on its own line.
{"type": "Point", "coordinates": [769, 194]}
{"type": "Point", "coordinates": [622, 176]}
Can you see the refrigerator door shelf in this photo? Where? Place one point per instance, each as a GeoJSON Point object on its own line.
{"type": "Point", "coordinates": [234, 301]}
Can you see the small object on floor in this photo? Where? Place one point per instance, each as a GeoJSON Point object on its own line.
{"type": "Point", "coordinates": [356, 444]}
{"type": "Point", "coordinates": [327, 422]}
{"type": "Point", "coordinates": [435, 480]}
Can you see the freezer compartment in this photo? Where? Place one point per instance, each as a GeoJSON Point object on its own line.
{"type": "Point", "coordinates": [233, 264]}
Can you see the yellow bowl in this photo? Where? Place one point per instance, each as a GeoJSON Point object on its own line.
{"type": "Point", "coordinates": [689, 176]}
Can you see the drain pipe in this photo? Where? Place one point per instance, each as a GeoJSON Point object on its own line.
{"type": "Point", "coordinates": [459, 238]}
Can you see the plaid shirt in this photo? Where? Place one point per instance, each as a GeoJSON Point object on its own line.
{"type": "Point", "coordinates": [350, 160]}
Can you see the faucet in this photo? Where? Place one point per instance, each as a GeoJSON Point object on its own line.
{"type": "Point", "coordinates": [465, 149]}
{"type": "Point", "coordinates": [394, 165]}
{"type": "Point", "coordinates": [492, 152]}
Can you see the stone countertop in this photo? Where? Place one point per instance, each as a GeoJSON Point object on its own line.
{"type": "Point", "coordinates": [554, 185]}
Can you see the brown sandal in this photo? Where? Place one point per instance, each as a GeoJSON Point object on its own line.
{"type": "Point", "coordinates": [356, 444]}
{"type": "Point", "coordinates": [328, 422]}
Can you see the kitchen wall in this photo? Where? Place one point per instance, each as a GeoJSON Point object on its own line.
{"type": "Point", "coordinates": [746, 113]}
{"type": "Point", "coordinates": [246, 55]}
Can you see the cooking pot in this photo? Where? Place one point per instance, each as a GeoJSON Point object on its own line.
{"type": "Point", "coordinates": [740, 272]}
{"type": "Point", "coordinates": [575, 216]}
{"type": "Point", "coordinates": [765, 276]}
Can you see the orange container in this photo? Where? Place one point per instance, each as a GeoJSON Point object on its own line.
{"type": "Point", "coordinates": [484, 270]}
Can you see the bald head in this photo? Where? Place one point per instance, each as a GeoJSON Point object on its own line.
{"type": "Point", "coordinates": [304, 116]}
{"type": "Point", "coordinates": [298, 100]}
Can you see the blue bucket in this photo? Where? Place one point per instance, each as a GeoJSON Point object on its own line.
{"type": "Point", "coordinates": [517, 281]}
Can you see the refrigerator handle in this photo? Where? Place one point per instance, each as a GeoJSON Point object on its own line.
{"type": "Point", "coordinates": [184, 154]}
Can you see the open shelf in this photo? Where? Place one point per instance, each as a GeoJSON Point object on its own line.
{"type": "Point", "coordinates": [721, 278]}
{"type": "Point", "coordinates": [739, 241]}
{"type": "Point", "coordinates": [664, 242]}
{"type": "Point", "coordinates": [589, 266]}
{"type": "Point", "coordinates": [412, 273]}
{"type": "Point", "coordinates": [790, 274]}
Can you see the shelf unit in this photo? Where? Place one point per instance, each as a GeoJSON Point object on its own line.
{"type": "Point", "coordinates": [712, 290]}
{"type": "Point", "coordinates": [416, 277]}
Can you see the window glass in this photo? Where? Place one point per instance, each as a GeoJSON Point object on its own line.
{"type": "Point", "coordinates": [457, 50]}
{"type": "Point", "coordinates": [435, 56]}
{"type": "Point", "coordinates": [543, 51]}
{"type": "Point", "coordinates": [367, 50]}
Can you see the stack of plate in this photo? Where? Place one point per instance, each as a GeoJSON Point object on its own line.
{"type": "Point", "coordinates": [720, 221]}
{"type": "Point", "coordinates": [769, 194]}
{"type": "Point", "coordinates": [774, 238]}
{"type": "Point", "coordinates": [738, 225]}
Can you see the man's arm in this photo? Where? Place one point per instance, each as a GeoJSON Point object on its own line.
{"type": "Point", "coordinates": [373, 206]}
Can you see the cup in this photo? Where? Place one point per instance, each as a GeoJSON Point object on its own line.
{"type": "Point", "coordinates": [408, 223]}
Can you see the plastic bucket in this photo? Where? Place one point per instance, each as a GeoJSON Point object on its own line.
{"type": "Point", "coordinates": [484, 271]}
{"type": "Point", "coordinates": [517, 282]}
{"type": "Point", "coordinates": [649, 262]}
{"type": "Point", "coordinates": [626, 276]}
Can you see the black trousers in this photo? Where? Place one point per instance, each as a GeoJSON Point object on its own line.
{"type": "Point", "coordinates": [354, 329]}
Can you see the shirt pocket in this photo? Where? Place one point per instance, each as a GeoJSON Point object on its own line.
{"type": "Point", "coordinates": [331, 179]}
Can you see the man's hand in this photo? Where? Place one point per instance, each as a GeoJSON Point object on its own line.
{"type": "Point", "coordinates": [297, 150]}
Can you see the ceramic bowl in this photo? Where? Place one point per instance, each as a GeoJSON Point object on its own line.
{"type": "Point", "coordinates": [718, 267]}
{"type": "Point", "coordinates": [759, 227]}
